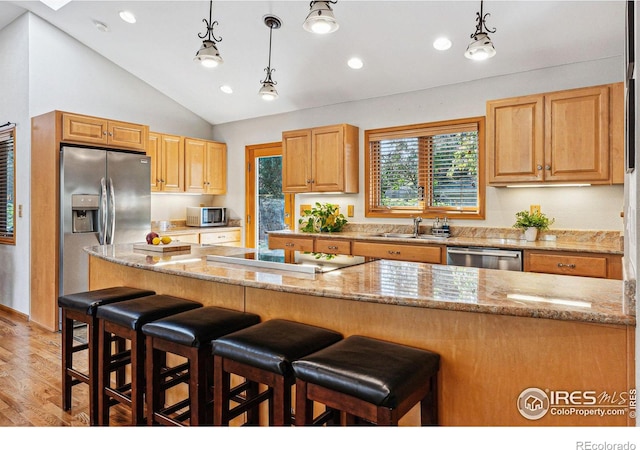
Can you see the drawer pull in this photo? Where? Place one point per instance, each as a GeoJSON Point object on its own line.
{"type": "Point", "coordinates": [289, 244]}
{"type": "Point", "coordinates": [222, 237]}
{"type": "Point", "coordinates": [391, 252]}
{"type": "Point", "coordinates": [332, 247]}
{"type": "Point", "coordinates": [570, 266]}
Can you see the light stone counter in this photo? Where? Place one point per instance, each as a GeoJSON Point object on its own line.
{"type": "Point", "coordinates": [401, 283]}
{"type": "Point", "coordinates": [595, 242]}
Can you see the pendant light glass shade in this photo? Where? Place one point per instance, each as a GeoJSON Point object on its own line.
{"type": "Point", "coordinates": [320, 19]}
{"type": "Point", "coordinates": [208, 55]}
{"type": "Point", "coordinates": [480, 48]}
{"type": "Point", "coordinates": [268, 91]}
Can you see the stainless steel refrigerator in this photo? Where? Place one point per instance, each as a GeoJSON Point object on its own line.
{"type": "Point", "coordinates": [105, 198]}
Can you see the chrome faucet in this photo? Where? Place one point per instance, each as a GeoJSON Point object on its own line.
{"type": "Point", "coordinates": [416, 226]}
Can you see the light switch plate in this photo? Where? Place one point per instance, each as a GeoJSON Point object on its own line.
{"type": "Point", "coordinates": [534, 209]}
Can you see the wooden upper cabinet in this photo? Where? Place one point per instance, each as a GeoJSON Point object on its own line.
{"type": "Point", "coordinates": [566, 136]}
{"type": "Point", "coordinates": [98, 131]}
{"type": "Point", "coordinates": [167, 162]}
{"type": "Point", "coordinates": [515, 139]}
{"type": "Point", "coordinates": [577, 135]}
{"type": "Point", "coordinates": [154, 152]}
{"type": "Point", "coordinates": [323, 159]}
{"type": "Point", "coordinates": [205, 166]}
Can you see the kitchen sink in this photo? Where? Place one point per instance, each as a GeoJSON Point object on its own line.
{"type": "Point", "coordinates": [393, 235]}
{"type": "Point", "coordinates": [429, 237]}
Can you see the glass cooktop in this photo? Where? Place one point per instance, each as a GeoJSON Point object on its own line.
{"type": "Point", "coordinates": [303, 262]}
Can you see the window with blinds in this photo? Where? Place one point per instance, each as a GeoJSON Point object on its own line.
{"type": "Point", "coordinates": [427, 169]}
{"type": "Point", "coordinates": [7, 187]}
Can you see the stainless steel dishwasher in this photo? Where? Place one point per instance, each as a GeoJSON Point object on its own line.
{"type": "Point", "coordinates": [485, 258]}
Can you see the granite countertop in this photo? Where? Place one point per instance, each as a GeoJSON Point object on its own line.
{"type": "Point", "coordinates": [178, 230]}
{"type": "Point", "coordinates": [594, 243]}
{"type": "Point", "coordinates": [403, 283]}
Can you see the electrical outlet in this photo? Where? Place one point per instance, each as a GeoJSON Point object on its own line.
{"type": "Point", "coordinates": [534, 209]}
{"type": "Point", "coordinates": [303, 208]}
{"type": "Point", "coordinates": [349, 210]}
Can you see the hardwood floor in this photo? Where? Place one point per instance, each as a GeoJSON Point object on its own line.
{"type": "Point", "coordinates": [30, 373]}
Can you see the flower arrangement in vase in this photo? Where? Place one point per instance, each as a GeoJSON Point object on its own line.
{"type": "Point", "coordinates": [531, 223]}
{"type": "Point", "coordinates": [322, 218]}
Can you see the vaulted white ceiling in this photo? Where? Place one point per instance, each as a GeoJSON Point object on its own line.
{"type": "Point", "coordinates": [393, 38]}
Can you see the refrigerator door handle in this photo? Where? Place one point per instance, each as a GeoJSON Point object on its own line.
{"type": "Point", "coordinates": [112, 212]}
{"type": "Point", "coordinates": [102, 231]}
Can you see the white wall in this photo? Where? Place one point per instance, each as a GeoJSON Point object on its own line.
{"type": "Point", "coordinates": [45, 69]}
{"type": "Point", "coordinates": [573, 208]}
{"type": "Point", "coordinates": [14, 54]}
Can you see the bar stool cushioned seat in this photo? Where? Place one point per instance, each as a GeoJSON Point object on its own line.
{"type": "Point", "coordinates": [374, 375]}
{"type": "Point", "coordinates": [125, 320]}
{"type": "Point", "coordinates": [82, 307]}
{"type": "Point", "coordinates": [187, 334]}
{"type": "Point", "coordinates": [263, 354]}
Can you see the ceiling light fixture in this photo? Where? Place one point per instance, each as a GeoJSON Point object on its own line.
{"type": "Point", "coordinates": [268, 89]}
{"type": "Point", "coordinates": [355, 63]}
{"type": "Point", "coordinates": [101, 26]}
{"type": "Point", "coordinates": [442, 44]}
{"type": "Point", "coordinates": [208, 55]}
{"type": "Point", "coordinates": [320, 19]}
{"type": "Point", "coordinates": [127, 16]}
{"type": "Point", "coordinates": [481, 47]}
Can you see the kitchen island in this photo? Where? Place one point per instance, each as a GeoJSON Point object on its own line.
{"type": "Point", "coordinates": [505, 338]}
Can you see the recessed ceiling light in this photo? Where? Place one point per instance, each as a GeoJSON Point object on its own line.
{"type": "Point", "coordinates": [128, 16]}
{"type": "Point", "coordinates": [226, 89]}
{"type": "Point", "coordinates": [442, 43]}
{"type": "Point", "coordinates": [101, 26]}
{"type": "Point", "coordinates": [355, 63]}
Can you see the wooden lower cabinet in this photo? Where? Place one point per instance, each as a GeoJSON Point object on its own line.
{"type": "Point", "coordinates": [230, 238]}
{"type": "Point", "coordinates": [573, 263]}
{"type": "Point", "coordinates": [332, 246]}
{"type": "Point", "coordinates": [296, 243]}
{"type": "Point", "coordinates": [434, 254]}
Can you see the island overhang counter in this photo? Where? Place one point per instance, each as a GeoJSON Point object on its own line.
{"type": "Point", "coordinates": [506, 339]}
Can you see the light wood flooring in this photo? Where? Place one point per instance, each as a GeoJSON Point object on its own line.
{"type": "Point", "coordinates": [30, 373]}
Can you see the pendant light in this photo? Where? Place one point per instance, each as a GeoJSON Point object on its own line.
{"type": "Point", "coordinates": [320, 19]}
{"type": "Point", "coordinates": [268, 89]}
{"type": "Point", "coordinates": [208, 55]}
{"type": "Point", "coordinates": [481, 47]}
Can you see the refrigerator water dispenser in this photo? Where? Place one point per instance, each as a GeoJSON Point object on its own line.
{"type": "Point", "coordinates": [84, 210]}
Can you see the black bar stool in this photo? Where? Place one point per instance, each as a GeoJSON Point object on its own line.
{"type": "Point", "coordinates": [81, 307]}
{"type": "Point", "coordinates": [262, 354]}
{"type": "Point", "coordinates": [368, 379]}
{"type": "Point", "coordinates": [125, 320]}
{"type": "Point", "coordinates": [189, 335]}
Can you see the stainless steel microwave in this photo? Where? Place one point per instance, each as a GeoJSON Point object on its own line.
{"type": "Point", "coordinates": [206, 216]}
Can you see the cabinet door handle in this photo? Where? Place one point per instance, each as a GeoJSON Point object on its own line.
{"type": "Point", "coordinates": [548, 167]}
{"type": "Point", "coordinates": [539, 167]}
{"type": "Point", "coordinates": [570, 266]}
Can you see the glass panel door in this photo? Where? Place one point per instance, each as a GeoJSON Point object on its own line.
{"type": "Point", "coordinates": [268, 208]}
